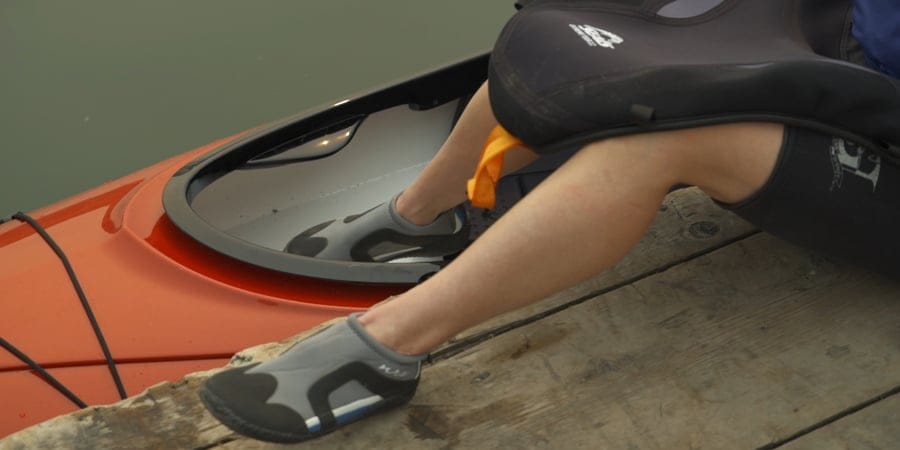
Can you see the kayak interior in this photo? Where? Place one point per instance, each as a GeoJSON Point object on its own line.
{"type": "Point", "coordinates": [266, 202]}
{"type": "Point", "coordinates": [249, 198]}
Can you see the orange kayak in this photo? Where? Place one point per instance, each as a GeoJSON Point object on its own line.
{"type": "Point", "coordinates": [180, 263]}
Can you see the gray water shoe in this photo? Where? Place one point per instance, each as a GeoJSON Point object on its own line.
{"type": "Point", "coordinates": [330, 379]}
{"type": "Point", "coordinates": [383, 235]}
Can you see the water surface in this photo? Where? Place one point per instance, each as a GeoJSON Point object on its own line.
{"type": "Point", "coordinates": [92, 90]}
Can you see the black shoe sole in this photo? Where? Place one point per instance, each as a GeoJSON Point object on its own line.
{"type": "Point", "coordinates": [217, 407]}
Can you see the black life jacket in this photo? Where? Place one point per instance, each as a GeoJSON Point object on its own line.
{"type": "Point", "coordinates": [564, 73]}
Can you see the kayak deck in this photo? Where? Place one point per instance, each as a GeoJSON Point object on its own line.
{"type": "Point", "coordinates": [708, 335]}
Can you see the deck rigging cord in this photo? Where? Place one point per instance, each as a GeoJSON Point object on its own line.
{"type": "Point", "coordinates": [43, 372]}
{"type": "Point", "coordinates": [110, 362]}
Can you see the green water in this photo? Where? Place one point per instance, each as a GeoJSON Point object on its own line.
{"type": "Point", "coordinates": [91, 90]}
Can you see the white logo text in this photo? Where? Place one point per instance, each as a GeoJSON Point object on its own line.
{"type": "Point", "coordinates": [597, 37]}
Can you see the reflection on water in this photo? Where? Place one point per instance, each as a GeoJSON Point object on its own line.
{"type": "Point", "coordinates": [90, 91]}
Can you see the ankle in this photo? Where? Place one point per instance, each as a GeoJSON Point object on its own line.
{"type": "Point", "coordinates": [417, 213]}
{"type": "Point", "coordinates": [388, 334]}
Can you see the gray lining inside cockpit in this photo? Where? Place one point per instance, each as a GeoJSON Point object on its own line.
{"type": "Point", "coordinates": [268, 205]}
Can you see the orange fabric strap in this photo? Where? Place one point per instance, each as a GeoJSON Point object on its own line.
{"type": "Point", "coordinates": [482, 186]}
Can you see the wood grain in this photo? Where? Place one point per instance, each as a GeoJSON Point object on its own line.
{"type": "Point", "coordinates": [876, 427]}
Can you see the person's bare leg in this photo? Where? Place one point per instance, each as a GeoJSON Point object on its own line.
{"type": "Point", "coordinates": [442, 184]}
{"type": "Point", "coordinates": [578, 222]}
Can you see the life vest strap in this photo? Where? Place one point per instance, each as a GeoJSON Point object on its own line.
{"type": "Point", "coordinates": [482, 186]}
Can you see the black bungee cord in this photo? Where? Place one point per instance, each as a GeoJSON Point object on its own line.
{"type": "Point", "coordinates": [39, 369]}
{"type": "Point", "coordinates": [110, 362]}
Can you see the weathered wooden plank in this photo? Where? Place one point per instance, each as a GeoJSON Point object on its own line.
{"type": "Point", "coordinates": [877, 427]}
{"type": "Point", "coordinates": [736, 349]}
{"type": "Point", "coordinates": [733, 350]}
{"type": "Point", "coordinates": [688, 224]}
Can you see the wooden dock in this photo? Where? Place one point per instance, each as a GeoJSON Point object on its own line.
{"type": "Point", "coordinates": [708, 335]}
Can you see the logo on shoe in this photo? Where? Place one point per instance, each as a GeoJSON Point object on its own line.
{"type": "Point", "coordinates": [392, 371]}
{"type": "Point", "coordinates": [597, 37]}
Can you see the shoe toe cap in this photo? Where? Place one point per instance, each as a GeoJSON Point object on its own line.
{"type": "Point", "coordinates": [239, 400]}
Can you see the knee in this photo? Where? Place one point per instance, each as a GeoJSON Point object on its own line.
{"type": "Point", "coordinates": [728, 162]}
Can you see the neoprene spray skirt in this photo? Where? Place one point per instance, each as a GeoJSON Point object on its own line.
{"type": "Point", "coordinates": [565, 73]}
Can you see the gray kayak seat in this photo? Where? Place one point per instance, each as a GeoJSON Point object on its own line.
{"type": "Point", "coordinates": [564, 73]}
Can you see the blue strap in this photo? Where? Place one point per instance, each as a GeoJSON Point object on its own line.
{"type": "Point", "coordinates": [876, 25]}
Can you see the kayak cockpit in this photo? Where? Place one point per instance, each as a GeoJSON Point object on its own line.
{"type": "Point", "coordinates": [249, 198]}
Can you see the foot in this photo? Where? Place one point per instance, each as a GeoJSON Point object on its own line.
{"type": "Point", "coordinates": [381, 234]}
{"type": "Point", "coordinates": [328, 380]}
